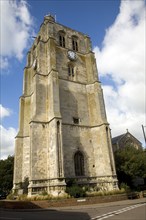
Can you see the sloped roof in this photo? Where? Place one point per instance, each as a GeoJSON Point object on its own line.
{"type": "Point", "coordinates": [119, 137]}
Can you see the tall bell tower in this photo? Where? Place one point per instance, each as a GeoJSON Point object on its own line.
{"type": "Point", "coordinates": [63, 129]}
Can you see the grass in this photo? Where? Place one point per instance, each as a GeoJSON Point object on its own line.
{"type": "Point", "coordinates": [106, 193]}
{"type": "Point", "coordinates": [46, 196]}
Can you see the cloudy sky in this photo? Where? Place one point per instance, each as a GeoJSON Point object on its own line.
{"type": "Point", "coordinates": [117, 31]}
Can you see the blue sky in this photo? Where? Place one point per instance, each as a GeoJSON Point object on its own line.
{"type": "Point", "coordinates": [117, 31]}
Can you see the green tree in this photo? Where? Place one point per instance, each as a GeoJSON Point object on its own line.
{"type": "Point", "coordinates": [74, 190]}
{"type": "Point", "coordinates": [130, 163]}
{"type": "Point", "coordinates": [6, 174]}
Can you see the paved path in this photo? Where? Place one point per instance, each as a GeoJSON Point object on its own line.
{"type": "Point", "coordinates": [126, 209]}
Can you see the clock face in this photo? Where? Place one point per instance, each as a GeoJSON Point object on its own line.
{"type": "Point", "coordinates": [71, 55]}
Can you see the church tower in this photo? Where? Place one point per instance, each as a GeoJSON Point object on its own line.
{"type": "Point", "coordinates": [63, 129]}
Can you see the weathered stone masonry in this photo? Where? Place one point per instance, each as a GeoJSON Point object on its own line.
{"type": "Point", "coordinates": [63, 130]}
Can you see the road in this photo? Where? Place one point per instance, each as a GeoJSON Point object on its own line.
{"type": "Point", "coordinates": [121, 210]}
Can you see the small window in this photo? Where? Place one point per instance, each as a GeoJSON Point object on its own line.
{"type": "Point", "coordinates": [75, 120]}
{"type": "Point", "coordinates": [74, 44]}
{"type": "Point", "coordinates": [62, 39]}
{"type": "Point", "coordinates": [58, 127]}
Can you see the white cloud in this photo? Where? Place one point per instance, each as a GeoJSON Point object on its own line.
{"type": "Point", "coordinates": [122, 57]}
{"type": "Point", "coordinates": [4, 112]}
{"type": "Point", "coordinates": [7, 141]}
{"type": "Point", "coordinates": [7, 135]}
{"type": "Point", "coordinates": [16, 29]}
{"type": "Point", "coordinates": [4, 62]}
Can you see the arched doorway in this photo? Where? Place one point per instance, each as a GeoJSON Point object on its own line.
{"type": "Point", "coordinates": [79, 163]}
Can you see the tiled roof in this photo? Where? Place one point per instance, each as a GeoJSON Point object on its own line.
{"type": "Point", "coordinates": [117, 138]}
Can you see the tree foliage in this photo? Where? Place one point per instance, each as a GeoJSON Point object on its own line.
{"type": "Point", "coordinates": [130, 163]}
{"type": "Point", "coordinates": [6, 174]}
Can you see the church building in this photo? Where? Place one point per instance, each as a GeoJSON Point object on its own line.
{"type": "Point", "coordinates": [63, 129]}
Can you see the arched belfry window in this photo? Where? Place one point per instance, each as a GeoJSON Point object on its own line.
{"type": "Point", "coordinates": [79, 163]}
{"type": "Point", "coordinates": [71, 71]}
{"type": "Point", "coordinates": [62, 38]}
{"type": "Point", "coordinates": [74, 43]}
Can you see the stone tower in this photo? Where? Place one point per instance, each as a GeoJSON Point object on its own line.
{"type": "Point", "coordinates": [63, 129]}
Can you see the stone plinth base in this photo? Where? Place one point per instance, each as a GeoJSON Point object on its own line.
{"type": "Point", "coordinates": [57, 187]}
